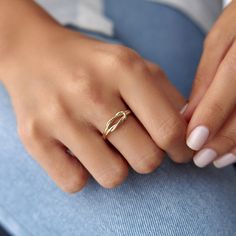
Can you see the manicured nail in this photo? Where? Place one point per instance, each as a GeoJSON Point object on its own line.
{"type": "Point", "coordinates": [198, 137]}
{"type": "Point", "coordinates": [184, 108]}
{"type": "Point", "coordinates": [204, 157]}
{"type": "Point", "coordinates": [225, 160]}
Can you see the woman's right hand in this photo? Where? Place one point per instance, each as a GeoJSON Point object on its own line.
{"type": "Point", "coordinates": [64, 88]}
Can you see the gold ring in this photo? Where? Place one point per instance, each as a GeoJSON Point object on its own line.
{"type": "Point", "coordinates": [115, 121]}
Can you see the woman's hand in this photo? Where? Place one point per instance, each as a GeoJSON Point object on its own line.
{"type": "Point", "coordinates": [212, 127]}
{"type": "Point", "coordinates": [64, 88]}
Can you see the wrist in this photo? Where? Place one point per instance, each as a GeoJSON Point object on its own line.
{"type": "Point", "coordinates": [19, 29]}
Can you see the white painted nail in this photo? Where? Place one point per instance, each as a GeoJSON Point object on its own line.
{"type": "Point", "coordinates": [184, 108]}
{"type": "Point", "coordinates": [198, 137]}
{"type": "Point", "coordinates": [225, 160]}
{"type": "Point", "coordinates": [204, 157]}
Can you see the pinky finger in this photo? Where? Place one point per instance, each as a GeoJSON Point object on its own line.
{"type": "Point", "coordinates": [65, 169]}
{"type": "Point", "coordinates": [226, 160]}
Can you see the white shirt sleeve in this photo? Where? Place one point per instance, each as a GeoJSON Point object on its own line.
{"type": "Point", "coordinates": [226, 2]}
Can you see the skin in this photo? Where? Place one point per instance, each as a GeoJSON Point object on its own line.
{"type": "Point", "coordinates": [213, 99]}
{"type": "Point", "coordinates": [65, 86]}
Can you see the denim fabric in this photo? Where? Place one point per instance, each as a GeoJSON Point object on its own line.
{"type": "Point", "coordinates": [161, 34]}
{"type": "Point", "coordinates": [174, 200]}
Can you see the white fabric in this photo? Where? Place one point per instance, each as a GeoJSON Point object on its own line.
{"type": "Point", "coordinates": [89, 13]}
{"type": "Point", "coordinates": [203, 12]}
{"type": "Point", "coordinates": [226, 2]}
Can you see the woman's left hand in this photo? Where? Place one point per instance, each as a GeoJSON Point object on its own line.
{"type": "Point", "coordinates": [212, 107]}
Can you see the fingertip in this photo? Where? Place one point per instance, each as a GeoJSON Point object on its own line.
{"type": "Point", "coordinates": [198, 137]}
{"type": "Point", "coordinates": [225, 160]}
{"type": "Point", "coordinates": [75, 184]}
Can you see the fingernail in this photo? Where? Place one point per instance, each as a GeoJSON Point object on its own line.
{"type": "Point", "coordinates": [198, 137]}
{"type": "Point", "coordinates": [204, 157]}
{"type": "Point", "coordinates": [225, 160]}
{"type": "Point", "coordinates": [184, 108]}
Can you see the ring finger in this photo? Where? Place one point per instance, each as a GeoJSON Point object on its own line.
{"type": "Point", "coordinates": [131, 140]}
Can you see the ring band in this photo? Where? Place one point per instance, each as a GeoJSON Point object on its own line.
{"type": "Point", "coordinates": [115, 121]}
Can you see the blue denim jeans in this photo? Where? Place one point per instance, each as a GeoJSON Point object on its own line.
{"type": "Point", "coordinates": [174, 200]}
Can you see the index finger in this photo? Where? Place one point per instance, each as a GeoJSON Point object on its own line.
{"type": "Point", "coordinates": [216, 105]}
{"type": "Point", "coordinates": [161, 119]}
{"type": "Point", "coordinates": [216, 46]}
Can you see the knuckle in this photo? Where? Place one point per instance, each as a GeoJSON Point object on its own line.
{"type": "Point", "coordinates": [114, 177]}
{"type": "Point", "coordinates": [89, 90]}
{"type": "Point", "coordinates": [170, 132]}
{"type": "Point", "coordinates": [148, 163]}
{"type": "Point", "coordinates": [125, 54]}
{"type": "Point", "coordinates": [213, 109]}
{"type": "Point", "coordinates": [156, 71]}
{"type": "Point", "coordinates": [121, 56]}
{"type": "Point", "coordinates": [29, 132]}
{"type": "Point", "coordinates": [154, 68]}
{"type": "Point", "coordinates": [54, 111]}
{"type": "Point", "coordinates": [229, 138]}
{"type": "Point", "coordinates": [216, 108]}
{"type": "Point", "coordinates": [74, 184]}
